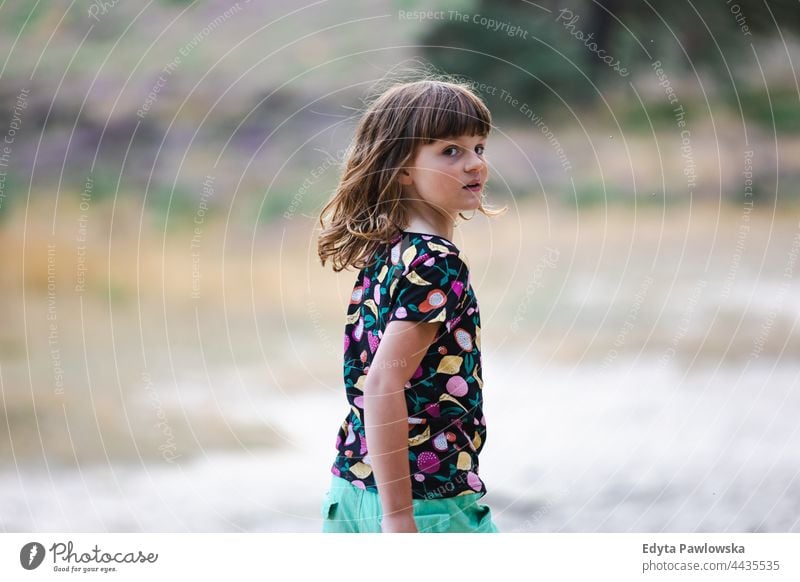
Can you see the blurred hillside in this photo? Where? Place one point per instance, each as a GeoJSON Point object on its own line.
{"type": "Point", "coordinates": [152, 101]}
{"type": "Point", "coordinates": [260, 98]}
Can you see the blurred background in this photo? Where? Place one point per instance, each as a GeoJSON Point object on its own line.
{"type": "Point", "coordinates": [170, 354]}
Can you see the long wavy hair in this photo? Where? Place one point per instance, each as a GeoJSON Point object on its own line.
{"type": "Point", "coordinates": [367, 209]}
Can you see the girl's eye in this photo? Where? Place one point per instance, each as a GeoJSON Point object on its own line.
{"type": "Point", "coordinates": [479, 149]}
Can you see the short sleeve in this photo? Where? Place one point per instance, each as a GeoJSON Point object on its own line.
{"type": "Point", "coordinates": [431, 290]}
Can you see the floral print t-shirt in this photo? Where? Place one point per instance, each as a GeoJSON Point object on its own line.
{"type": "Point", "coordinates": [419, 277]}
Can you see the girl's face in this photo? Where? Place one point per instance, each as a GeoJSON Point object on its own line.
{"type": "Point", "coordinates": [449, 174]}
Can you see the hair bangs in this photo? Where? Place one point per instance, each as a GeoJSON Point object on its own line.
{"type": "Point", "coordinates": [449, 111]}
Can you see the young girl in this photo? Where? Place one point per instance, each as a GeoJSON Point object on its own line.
{"type": "Point", "coordinates": [407, 452]}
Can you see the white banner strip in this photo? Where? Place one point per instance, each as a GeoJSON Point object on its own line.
{"type": "Point", "coordinates": [385, 557]}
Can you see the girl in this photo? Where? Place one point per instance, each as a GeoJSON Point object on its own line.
{"type": "Point", "coordinates": [407, 452]}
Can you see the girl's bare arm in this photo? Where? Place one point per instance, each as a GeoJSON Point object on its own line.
{"type": "Point", "coordinates": [399, 353]}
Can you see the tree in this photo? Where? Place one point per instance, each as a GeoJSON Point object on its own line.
{"type": "Point", "coordinates": [548, 56]}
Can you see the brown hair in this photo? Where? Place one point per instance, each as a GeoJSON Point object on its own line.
{"type": "Point", "coordinates": [366, 209]}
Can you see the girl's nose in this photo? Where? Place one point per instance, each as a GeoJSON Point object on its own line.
{"type": "Point", "coordinates": [474, 163]}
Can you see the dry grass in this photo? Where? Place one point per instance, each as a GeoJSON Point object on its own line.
{"type": "Point", "coordinates": [269, 323]}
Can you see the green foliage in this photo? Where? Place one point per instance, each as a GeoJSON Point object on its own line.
{"type": "Point", "coordinates": [596, 195]}
{"type": "Point", "coordinates": [590, 194]}
{"type": "Point", "coordinates": [172, 208]}
{"type": "Point", "coordinates": [781, 107]}
{"type": "Point", "coordinates": [103, 183]}
{"type": "Point", "coordinates": [658, 113]}
{"type": "Point", "coordinates": [553, 60]}
{"type": "Point", "coordinates": [181, 3]}
{"type": "Point", "coordinates": [273, 204]}
{"type": "Point", "coordinates": [16, 15]}
{"type": "Point", "coordinates": [529, 70]}
{"type": "Point", "coordinates": [426, 5]}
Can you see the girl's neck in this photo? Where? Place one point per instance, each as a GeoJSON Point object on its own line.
{"type": "Point", "coordinates": [442, 227]}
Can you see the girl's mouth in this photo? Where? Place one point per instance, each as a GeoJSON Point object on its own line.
{"type": "Point", "coordinates": [473, 187]}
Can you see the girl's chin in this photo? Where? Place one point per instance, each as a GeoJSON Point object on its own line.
{"type": "Point", "coordinates": [472, 203]}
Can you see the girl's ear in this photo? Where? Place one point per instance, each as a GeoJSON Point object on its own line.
{"type": "Point", "coordinates": [404, 177]}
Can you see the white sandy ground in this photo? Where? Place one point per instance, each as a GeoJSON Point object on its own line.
{"type": "Point", "coordinates": [638, 448]}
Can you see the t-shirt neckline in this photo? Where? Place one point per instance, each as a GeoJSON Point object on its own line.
{"type": "Point", "coordinates": [428, 234]}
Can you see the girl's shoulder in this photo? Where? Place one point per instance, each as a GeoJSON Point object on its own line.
{"type": "Point", "coordinates": [425, 256]}
{"type": "Point", "coordinates": [411, 248]}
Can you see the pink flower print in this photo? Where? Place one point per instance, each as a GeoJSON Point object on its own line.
{"type": "Point", "coordinates": [359, 330]}
{"type": "Point", "coordinates": [432, 408]}
{"type": "Point", "coordinates": [458, 424]}
{"type": "Point", "coordinates": [473, 481]}
{"type": "Point", "coordinates": [417, 372]}
{"type": "Point", "coordinates": [363, 446]}
{"type": "Point", "coordinates": [351, 435]}
{"type": "Point", "coordinates": [373, 342]}
{"type": "Point", "coordinates": [359, 401]}
{"type": "Point", "coordinates": [360, 484]}
{"type": "Point", "coordinates": [336, 471]}
{"type": "Point", "coordinates": [428, 462]}
{"type": "Point", "coordinates": [355, 296]}
{"type": "Point", "coordinates": [456, 386]}
{"type": "Point", "coordinates": [457, 287]}
{"type": "Point", "coordinates": [366, 282]}
{"type": "Point", "coordinates": [346, 342]}
{"type": "Point", "coordinates": [453, 322]}
{"type": "Point", "coordinates": [400, 312]}
{"type": "Point", "coordinates": [377, 294]}
{"type": "Point", "coordinates": [419, 476]}
{"type": "Point", "coordinates": [430, 262]}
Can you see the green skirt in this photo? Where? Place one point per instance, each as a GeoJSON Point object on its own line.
{"type": "Point", "coordinates": [349, 509]}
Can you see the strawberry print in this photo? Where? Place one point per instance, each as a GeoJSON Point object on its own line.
{"type": "Point", "coordinates": [373, 341]}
